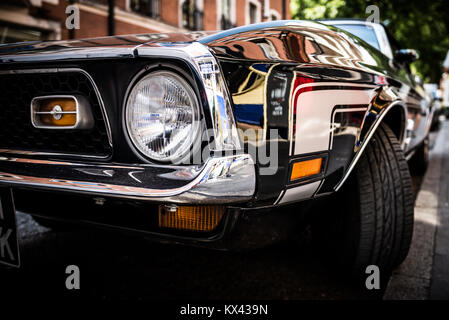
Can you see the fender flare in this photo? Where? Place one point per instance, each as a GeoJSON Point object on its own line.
{"type": "Point", "coordinates": [382, 104]}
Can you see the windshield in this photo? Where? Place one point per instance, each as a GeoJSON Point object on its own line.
{"type": "Point", "coordinates": [364, 32]}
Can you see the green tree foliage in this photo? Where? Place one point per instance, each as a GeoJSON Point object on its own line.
{"type": "Point", "coordinates": [316, 9]}
{"type": "Point", "coordinates": [416, 24]}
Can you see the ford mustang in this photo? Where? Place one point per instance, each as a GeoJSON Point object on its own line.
{"type": "Point", "coordinates": [227, 140]}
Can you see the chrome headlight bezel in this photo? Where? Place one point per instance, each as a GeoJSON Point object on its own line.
{"type": "Point", "coordinates": [186, 147]}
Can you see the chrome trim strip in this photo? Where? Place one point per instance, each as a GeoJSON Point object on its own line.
{"type": "Point", "coordinates": [222, 180]}
{"type": "Point", "coordinates": [281, 194]}
{"type": "Point", "coordinates": [95, 165]}
{"type": "Point", "coordinates": [39, 153]}
{"type": "Point", "coordinates": [226, 136]}
{"type": "Point", "coordinates": [305, 191]}
{"type": "Point", "coordinates": [26, 71]}
{"type": "Point", "coordinates": [365, 143]}
{"type": "Point", "coordinates": [206, 67]}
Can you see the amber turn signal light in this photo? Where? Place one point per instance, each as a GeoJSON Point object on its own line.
{"type": "Point", "coordinates": [306, 168]}
{"type": "Point", "coordinates": [191, 218]}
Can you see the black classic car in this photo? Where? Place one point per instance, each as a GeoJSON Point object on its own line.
{"type": "Point", "coordinates": [225, 140]}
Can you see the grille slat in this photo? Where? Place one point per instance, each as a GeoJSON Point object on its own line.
{"type": "Point", "coordinates": [17, 131]}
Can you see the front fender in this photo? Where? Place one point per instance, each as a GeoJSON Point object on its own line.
{"type": "Point", "coordinates": [383, 103]}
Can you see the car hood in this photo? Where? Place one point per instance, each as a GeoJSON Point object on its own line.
{"type": "Point", "coordinates": [127, 46]}
{"type": "Point", "coordinates": [104, 47]}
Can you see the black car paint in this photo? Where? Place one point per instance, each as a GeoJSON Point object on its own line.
{"type": "Point", "coordinates": [114, 62]}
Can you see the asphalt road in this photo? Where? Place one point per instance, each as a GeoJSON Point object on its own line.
{"type": "Point", "coordinates": [115, 266]}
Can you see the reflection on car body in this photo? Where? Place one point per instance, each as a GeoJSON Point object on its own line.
{"type": "Point", "coordinates": [287, 112]}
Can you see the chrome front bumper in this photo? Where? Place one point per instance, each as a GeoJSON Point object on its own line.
{"type": "Point", "coordinates": [221, 180]}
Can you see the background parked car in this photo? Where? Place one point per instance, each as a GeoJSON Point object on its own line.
{"type": "Point", "coordinates": [437, 106]}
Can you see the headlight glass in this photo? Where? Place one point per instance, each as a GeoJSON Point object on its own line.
{"type": "Point", "coordinates": [162, 116]}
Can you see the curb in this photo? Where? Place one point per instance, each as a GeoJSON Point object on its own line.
{"type": "Point", "coordinates": [412, 279]}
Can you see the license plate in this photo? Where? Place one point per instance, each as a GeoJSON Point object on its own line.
{"type": "Point", "coordinates": [9, 245]}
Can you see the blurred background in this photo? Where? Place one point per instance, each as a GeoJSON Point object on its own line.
{"type": "Point", "coordinates": [45, 19]}
{"type": "Point", "coordinates": [419, 24]}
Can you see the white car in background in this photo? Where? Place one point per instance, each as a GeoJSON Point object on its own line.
{"type": "Point", "coordinates": [372, 33]}
{"type": "Point", "coordinates": [377, 35]}
{"type": "Point", "coordinates": [437, 103]}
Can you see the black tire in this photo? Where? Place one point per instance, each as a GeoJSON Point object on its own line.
{"type": "Point", "coordinates": [370, 220]}
{"type": "Point", "coordinates": [420, 160]}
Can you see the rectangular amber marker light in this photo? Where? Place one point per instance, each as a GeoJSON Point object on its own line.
{"type": "Point", "coordinates": [61, 112]}
{"type": "Point", "coordinates": [57, 112]}
{"type": "Point", "coordinates": [191, 218]}
{"type": "Point", "coordinates": [306, 168]}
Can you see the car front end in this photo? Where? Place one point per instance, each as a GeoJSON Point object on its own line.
{"type": "Point", "coordinates": [225, 140]}
{"type": "Point", "coordinates": [140, 141]}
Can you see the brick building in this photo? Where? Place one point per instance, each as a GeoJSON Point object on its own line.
{"type": "Point", "coordinates": [24, 20]}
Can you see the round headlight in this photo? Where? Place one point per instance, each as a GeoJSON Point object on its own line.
{"type": "Point", "coordinates": [162, 116]}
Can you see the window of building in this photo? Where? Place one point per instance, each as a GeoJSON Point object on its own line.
{"type": "Point", "coordinates": [13, 33]}
{"type": "Point", "coordinates": [274, 15]}
{"type": "Point", "coordinates": [150, 8]}
{"type": "Point", "coordinates": [253, 11]}
{"type": "Point", "coordinates": [192, 17]}
{"type": "Point", "coordinates": [226, 16]}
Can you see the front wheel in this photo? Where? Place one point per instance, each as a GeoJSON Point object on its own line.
{"type": "Point", "coordinates": [370, 220]}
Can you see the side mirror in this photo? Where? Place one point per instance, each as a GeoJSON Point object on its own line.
{"type": "Point", "coordinates": [406, 56]}
{"type": "Point", "coordinates": [418, 80]}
